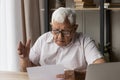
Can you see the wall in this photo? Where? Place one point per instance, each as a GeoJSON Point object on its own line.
{"type": "Point", "coordinates": [115, 35]}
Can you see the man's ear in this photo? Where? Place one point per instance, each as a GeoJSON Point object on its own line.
{"type": "Point", "coordinates": [50, 23]}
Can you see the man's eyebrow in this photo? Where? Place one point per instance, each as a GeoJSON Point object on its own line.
{"type": "Point", "coordinates": [56, 29]}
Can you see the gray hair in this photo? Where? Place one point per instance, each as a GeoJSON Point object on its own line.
{"type": "Point", "coordinates": [62, 13]}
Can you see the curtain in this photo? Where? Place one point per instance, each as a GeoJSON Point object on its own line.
{"type": "Point", "coordinates": [19, 21]}
{"type": "Point", "coordinates": [9, 34]}
{"type": "Point", "coordinates": [30, 20]}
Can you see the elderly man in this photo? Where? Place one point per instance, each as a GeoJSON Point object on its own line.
{"type": "Point", "coordinates": [63, 45]}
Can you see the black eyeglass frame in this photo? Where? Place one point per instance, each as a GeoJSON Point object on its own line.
{"type": "Point", "coordinates": [63, 32]}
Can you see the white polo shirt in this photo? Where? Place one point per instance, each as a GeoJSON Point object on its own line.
{"type": "Point", "coordinates": [81, 52]}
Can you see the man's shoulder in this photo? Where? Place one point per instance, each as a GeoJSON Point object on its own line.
{"type": "Point", "coordinates": [46, 36]}
{"type": "Point", "coordinates": [82, 37]}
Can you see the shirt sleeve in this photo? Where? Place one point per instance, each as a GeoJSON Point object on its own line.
{"type": "Point", "coordinates": [34, 55]}
{"type": "Point", "coordinates": [91, 51]}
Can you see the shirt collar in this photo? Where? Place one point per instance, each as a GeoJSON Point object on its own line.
{"type": "Point", "coordinates": [50, 38]}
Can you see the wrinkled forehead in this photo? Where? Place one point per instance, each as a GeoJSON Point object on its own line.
{"type": "Point", "coordinates": [66, 22]}
{"type": "Point", "coordinates": [65, 25]}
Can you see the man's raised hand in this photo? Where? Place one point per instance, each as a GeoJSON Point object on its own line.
{"type": "Point", "coordinates": [24, 49]}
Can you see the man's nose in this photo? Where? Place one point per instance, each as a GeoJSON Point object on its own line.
{"type": "Point", "coordinates": [60, 35]}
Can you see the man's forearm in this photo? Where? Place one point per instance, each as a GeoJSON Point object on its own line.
{"type": "Point", "coordinates": [24, 63]}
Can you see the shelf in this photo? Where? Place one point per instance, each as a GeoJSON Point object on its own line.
{"type": "Point", "coordinates": [114, 9]}
{"type": "Point", "coordinates": [88, 9]}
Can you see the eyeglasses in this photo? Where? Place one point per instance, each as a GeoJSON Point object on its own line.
{"type": "Point", "coordinates": [63, 32]}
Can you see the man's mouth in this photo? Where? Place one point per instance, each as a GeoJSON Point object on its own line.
{"type": "Point", "coordinates": [60, 41]}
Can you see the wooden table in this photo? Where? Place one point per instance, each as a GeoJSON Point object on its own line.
{"type": "Point", "coordinates": [7, 75]}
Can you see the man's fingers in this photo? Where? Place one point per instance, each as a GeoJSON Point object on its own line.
{"type": "Point", "coordinates": [28, 43]}
{"type": "Point", "coordinates": [19, 45]}
{"type": "Point", "coordinates": [60, 76]}
{"type": "Point", "coordinates": [22, 56]}
{"type": "Point", "coordinates": [23, 50]}
{"type": "Point", "coordinates": [19, 52]}
{"type": "Point", "coordinates": [20, 48]}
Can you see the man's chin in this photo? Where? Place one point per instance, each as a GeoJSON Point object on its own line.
{"type": "Point", "coordinates": [61, 44]}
